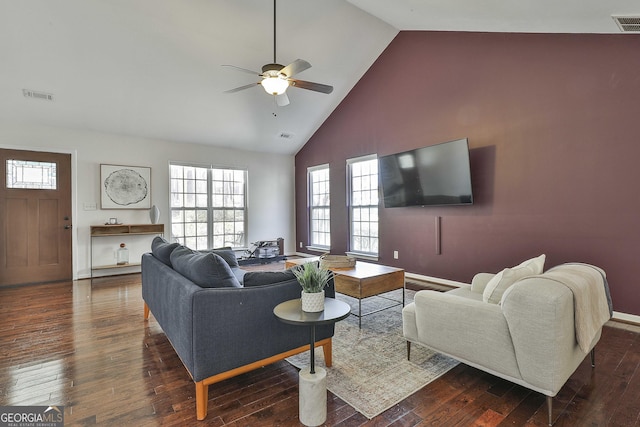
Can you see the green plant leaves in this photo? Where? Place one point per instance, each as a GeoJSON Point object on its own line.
{"type": "Point", "coordinates": [312, 277]}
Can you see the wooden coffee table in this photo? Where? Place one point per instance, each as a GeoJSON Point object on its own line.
{"type": "Point", "coordinates": [364, 280]}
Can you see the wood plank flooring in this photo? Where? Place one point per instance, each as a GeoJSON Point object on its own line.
{"type": "Point", "coordinates": [86, 346]}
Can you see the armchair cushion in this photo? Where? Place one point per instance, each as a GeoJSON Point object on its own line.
{"type": "Point", "coordinates": [499, 283]}
{"type": "Point", "coordinates": [480, 281]}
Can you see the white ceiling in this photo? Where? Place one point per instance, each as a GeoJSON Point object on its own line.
{"type": "Point", "coordinates": [152, 68]}
{"type": "Point", "coordinates": [514, 16]}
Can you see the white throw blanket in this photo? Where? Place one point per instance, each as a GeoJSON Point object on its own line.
{"type": "Point", "coordinates": [591, 309]}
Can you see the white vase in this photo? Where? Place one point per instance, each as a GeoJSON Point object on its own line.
{"type": "Point", "coordinates": [154, 214]}
{"type": "Point", "coordinates": [312, 302]}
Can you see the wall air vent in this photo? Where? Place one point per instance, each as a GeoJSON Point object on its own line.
{"type": "Point", "coordinates": [285, 135]}
{"type": "Point", "coordinates": [37, 95]}
{"type": "Point", "coordinates": [628, 24]}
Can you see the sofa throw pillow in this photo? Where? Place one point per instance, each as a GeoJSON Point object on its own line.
{"type": "Point", "coordinates": [205, 269]}
{"type": "Point", "coordinates": [226, 253]}
{"type": "Point", "coordinates": [161, 249]}
{"type": "Point", "coordinates": [536, 264]}
{"type": "Point", "coordinates": [258, 278]}
{"type": "Point", "coordinates": [500, 282]}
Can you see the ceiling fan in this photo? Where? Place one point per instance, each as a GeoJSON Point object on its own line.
{"type": "Point", "coordinates": [277, 78]}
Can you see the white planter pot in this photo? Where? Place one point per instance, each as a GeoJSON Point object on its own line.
{"type": "Point", "coordinates": [313, 302]}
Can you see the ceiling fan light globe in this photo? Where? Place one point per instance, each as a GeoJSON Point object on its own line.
{"type": "Point", "coordinates": [274, 85]}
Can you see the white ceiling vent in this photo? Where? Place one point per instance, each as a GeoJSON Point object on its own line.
{"type": "Point", "coordinates": [628, 24]}
{"type": "Point", "coordinates": [37, 95]}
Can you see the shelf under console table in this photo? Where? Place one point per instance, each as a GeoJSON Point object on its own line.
{"type": "Point", "coordinates": [122, 231]}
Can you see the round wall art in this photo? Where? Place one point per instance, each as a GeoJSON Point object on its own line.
{"type": "Point", "coordinates": [125, 187]}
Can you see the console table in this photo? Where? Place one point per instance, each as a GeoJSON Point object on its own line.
{"type": "Point", "coordinates": [120, 230]}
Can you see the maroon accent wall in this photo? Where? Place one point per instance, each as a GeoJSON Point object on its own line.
{"type": "Point", "coordinates": [552, 125]}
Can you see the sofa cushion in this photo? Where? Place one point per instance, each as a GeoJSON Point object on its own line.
{"type": "Point", "coordinates": [161, 249]}
{"type": "Point", "coordinates": [205, 269]}
{"type": "Point", "coordinates": [500, 282]}
{"type": "Point", "coordinates": [258, 278]}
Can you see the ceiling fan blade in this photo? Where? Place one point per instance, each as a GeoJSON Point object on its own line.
{"type": "Point", "coordinates": [297, 66]}
{"type": "Point", "coordinates": [317, 87]}
{"type": "Point", "coordinates": [255, 73]}
{"type": "Point", "coordinates": [238, 89]}
{"type": "Point", "coordinates": [282, 100]}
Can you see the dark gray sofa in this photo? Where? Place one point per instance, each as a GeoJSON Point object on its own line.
{"type": "Point", "coordinates": [222, 332]}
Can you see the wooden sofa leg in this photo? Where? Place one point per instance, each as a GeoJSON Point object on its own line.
{"type": "Point", "coordinates": [202, 398]}
{"type": "Point", "coordinates": [408, 350]}
{"type": "Point", "coordinates": [593, 357]}
{"type": "Point", "coordinates": [146, 311]}
{"type": "Point", "coordinates": [550, 409]}
{"type": "Point", "coordinates": [328, 354]}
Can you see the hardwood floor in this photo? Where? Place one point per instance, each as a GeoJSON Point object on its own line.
{"type": "Point", "coordinates": [86, 346]}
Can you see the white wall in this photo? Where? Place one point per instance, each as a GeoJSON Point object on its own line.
{"type": "Point", "coordinates": [270, 192]}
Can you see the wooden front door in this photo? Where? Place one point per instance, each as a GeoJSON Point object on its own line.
{"type": "Point", "coordinates": [35, 217]}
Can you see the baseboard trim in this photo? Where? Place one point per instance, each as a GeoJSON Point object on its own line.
{"type": "Point", "coordinates": [626, 318]}
{"type": "Point", "coordinates": [304, 255]}
{"type": "Point", "coordinates": [436, 280]}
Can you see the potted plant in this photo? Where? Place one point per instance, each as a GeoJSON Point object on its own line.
{"type": "Point", "coordinates": [313, 280]}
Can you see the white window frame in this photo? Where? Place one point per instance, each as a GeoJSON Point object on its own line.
{"type": "Point", "coordinates": [193, 223]}
{"type": "Point", "coordinates": [356, 209]}
{"type": "Point", "coordinates": [319, 208]}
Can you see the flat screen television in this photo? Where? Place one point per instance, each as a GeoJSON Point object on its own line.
{"type": "Point", "coordinates": [429, 176]}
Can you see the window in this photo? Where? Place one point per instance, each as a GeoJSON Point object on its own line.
{"type": "Point", "coordinates": [229, 207]}
{"type": "Point", "coordinates": [208, 206]}
{"type": "Point", "coordinates": [363, 204]}
{"type": "Point", "coordinates": [31, 175]}
{"type": "Point", "coordinates": [319, 207]}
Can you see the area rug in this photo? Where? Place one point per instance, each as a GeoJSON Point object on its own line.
{"type": "Point", "coordinates": [370, 368]}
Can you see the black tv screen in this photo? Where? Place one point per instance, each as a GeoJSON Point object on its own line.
{"type": "Point", "coordinates": [429, 176]}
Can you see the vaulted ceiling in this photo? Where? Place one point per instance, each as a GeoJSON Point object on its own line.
{"type": "Point", "coordinates": [153, 68]}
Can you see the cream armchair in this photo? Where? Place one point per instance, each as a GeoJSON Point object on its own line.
{"type": "Point", "coordinates": [528, 337]}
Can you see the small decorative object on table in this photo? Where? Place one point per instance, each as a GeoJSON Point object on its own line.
{"type": "Point", "coordinates": [154, 214]}
{"type": "Point", "coordinates": [313, 278]}
{"type": "Point", "coordinates": [123, 255]}
{"type": "Point", "coordinates": [337, 261]}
